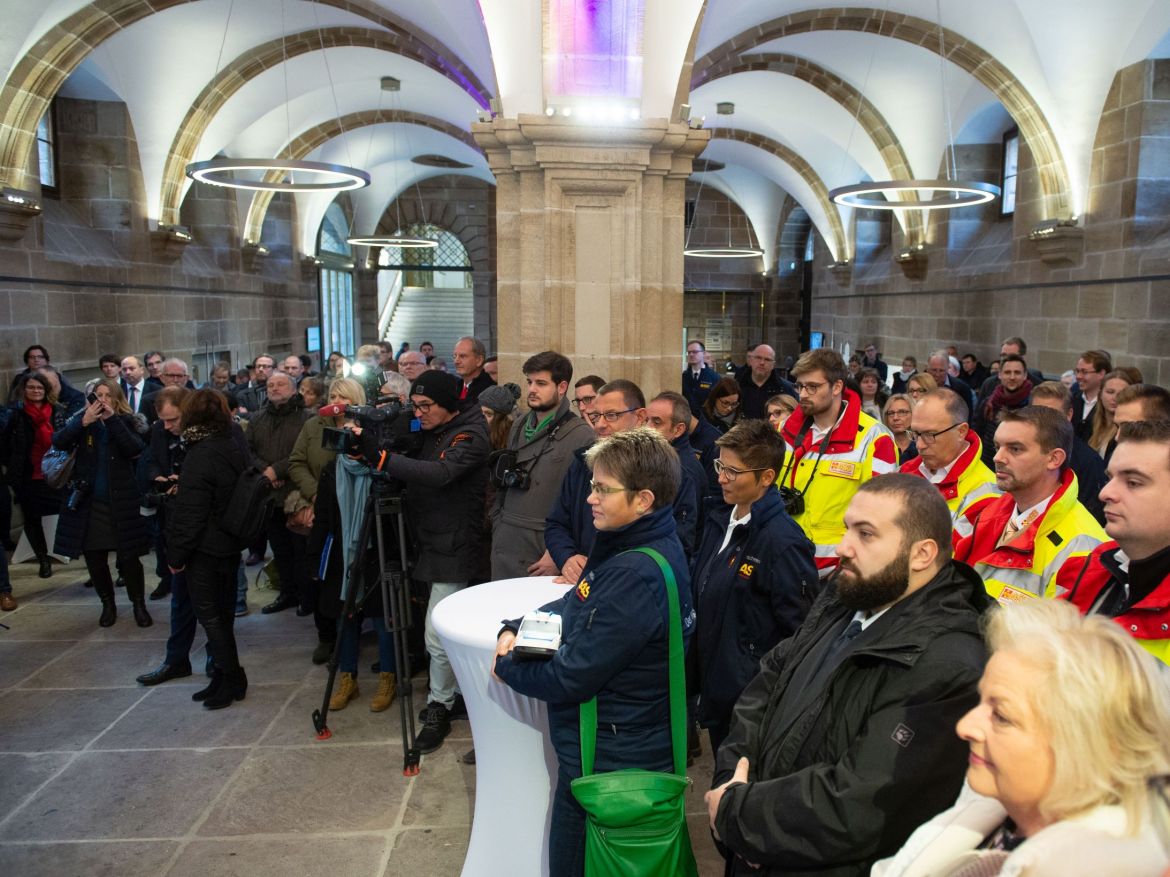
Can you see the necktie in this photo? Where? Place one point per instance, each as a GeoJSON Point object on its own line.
{"type": "Point", "coordinates": [843, 639]}
{"type": "Point", "coordinates": [133, 391]}
{"type": "Point", "coordinates": [463, 395]}
{"type": "Point", "coordinates": [1012, 530]}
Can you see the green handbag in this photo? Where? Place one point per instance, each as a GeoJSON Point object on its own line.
{"type": "Point", "coordinates": [635, 819]}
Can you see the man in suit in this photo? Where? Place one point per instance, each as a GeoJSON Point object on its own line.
{"type": "Point", "coordinates": [698, 378]}
{"type": "Point", "coordinates": [469, 357]}
{"type": "Point", "coordinates": [134, 384]}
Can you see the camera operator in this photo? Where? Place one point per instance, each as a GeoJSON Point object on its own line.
{"type": "Point", "coordinates": [528, 473]}
{"type": "Point", "coordinates": [445, 485]}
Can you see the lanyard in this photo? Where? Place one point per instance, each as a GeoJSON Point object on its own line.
{"type": "Point", "coordinates": [790, 468]}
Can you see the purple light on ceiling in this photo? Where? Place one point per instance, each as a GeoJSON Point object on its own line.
{"type": "Point", "coordinates": [596, 47]}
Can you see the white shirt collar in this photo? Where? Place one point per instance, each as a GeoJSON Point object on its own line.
{"type": "Point", "coordinates": [732, 523]}
{"type": "Point", "coordinates": [867, 619]}
{"type": "Point", "coordinates": [938, 476]}
{"type": "Point", "coordinates": [1022, 515]}
{"type": "Point", "coordinates": [818, 434]}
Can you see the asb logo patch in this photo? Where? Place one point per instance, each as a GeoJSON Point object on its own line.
{"type": "Point", "coordinates": [746, 570]}
{"type": "Point", "coordinates": [582, 590]}
{"type": "Point", "coordinates": [843, 468]}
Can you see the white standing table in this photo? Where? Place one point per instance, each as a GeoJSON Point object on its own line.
{"type": "Point", "coordinates": [515, 766]}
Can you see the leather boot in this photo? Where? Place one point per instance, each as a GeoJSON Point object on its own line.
{"type": "Point", "coordinates": [346, 690]}
{"type": "Point", "coordinates": [234, 687]}
{"type": "Point", "coordinates": [387, 689]}
{"type": "Point", "coordinates": [212, 687]}
{"type": "Point", "coordinates": [136, 591]}
{"type": "Point", "coordinates": [45, 569]}
{"type": "Point", "coordinates": [109, 609]}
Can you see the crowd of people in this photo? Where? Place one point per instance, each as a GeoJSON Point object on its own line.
{"type": "Point", "coordinates": [915, 602]}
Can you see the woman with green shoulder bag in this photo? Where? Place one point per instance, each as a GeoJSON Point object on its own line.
{"type": "Point", "coordinates": [619, 734]}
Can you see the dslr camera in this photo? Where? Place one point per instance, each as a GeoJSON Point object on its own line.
{"type": "Point", "coordinates": [793, 501]}
{"type": "Point", "coordinates": [506, 473]}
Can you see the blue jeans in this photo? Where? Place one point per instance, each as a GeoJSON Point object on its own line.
{"type": "Point", "coordinates": [347, 656]}
{"type": "Point", "coordinates": [182, 622]}
{"type": "Point", "coordinates": [566, 835]}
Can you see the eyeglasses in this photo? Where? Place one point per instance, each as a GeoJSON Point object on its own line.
{"type": "Point", "coordinates": [610, 416]}
{"type": "Point", "coordinates": [761, 358]}
{"type": "Point", "coordinates": [898, 412]}
{"type": "Point", "coordinates": [1084, 372]}
{"type": "Point", "coordinates": [584, 400]}
{"type": "Point", "coordinates": [173, 375]}
{"type": "Point", "coordinates": [926, 439]}
{"type": "Point", "coordinates": [811, 388]}
{"type": "Point", "coordinates": [732, 473]}
{"type": "Point", "coordinates": [423, 407]}
{"type": "Point", "coordinates": [602, 490]}
{"type": "Point", "coordinates": [916, 391]}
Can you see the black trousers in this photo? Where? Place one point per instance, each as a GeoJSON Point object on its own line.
{"type": "Point", "coordinates": [37, 500]}
{"type": "Point", "coordinates": [211, 583]}
{"type": "Point", "coordinates": [289, 553]}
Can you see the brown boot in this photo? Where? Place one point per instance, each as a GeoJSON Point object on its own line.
{"type": "Point", "coordinates": [347, 690]}
{"type": "Point", "coordinates": [387, 690]}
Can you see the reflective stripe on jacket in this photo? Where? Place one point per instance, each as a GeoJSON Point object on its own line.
{"type": "Point", "coordinates": [968, 488]}
{"type": "Point", "coordinates": [859, 448]}
{"type": "Point", "coordinates": [1028, 566]}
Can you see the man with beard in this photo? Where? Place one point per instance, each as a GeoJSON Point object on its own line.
{"type": "Point", "coordinates": [844, 742]}
{"type": "Point", "coordinates": [833, 448]}
{"type": "Point", "coordinates": [1020, 540]}
{"type": "Point", "coordinates": [540, 448]}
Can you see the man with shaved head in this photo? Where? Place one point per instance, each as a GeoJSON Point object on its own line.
{"type": "Point", "coordinates": [759, 381]}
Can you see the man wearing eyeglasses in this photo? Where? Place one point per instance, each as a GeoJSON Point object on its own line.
{"type": "Point", "coordinates": [528, 477]}
{"type": "Point", "coordinates": [669, 414]}
{"type": "Point", "coordinates": [446, 485]}
{"type": "Point", "coordinates": [585, 394]}
{"type": "Point", "coordinates": [833, 448]}
{"type": "Point", "coordinates": [949, 454]}
{"type": "Point", "coordinates": [759, 381]}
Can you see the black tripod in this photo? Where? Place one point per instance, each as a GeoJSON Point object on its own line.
{"type": "Point", "coordinates": [396, 612]}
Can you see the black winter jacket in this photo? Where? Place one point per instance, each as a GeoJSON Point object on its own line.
{"type": "Point", "coordinates": [446, 488]}
{"type": "Point", "coordinates": [211, 468]}
{"type": "Point", "coordinates": [19, 442]}
{"type": "Point", "coordinates": [874, 754]}
{"type": "Point", "coordinates": [272, 434]}
{"type": "Point", "coordinates": [125, 443]}
{"type": "Point", "coordinates": [614, 646]}
{"type": "Point", "coordinates": [748, 597]}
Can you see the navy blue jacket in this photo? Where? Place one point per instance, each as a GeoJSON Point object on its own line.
{"type": "Point", "coordinates": [614, 645]}
{"type": "Point", "coordinates": [697, 391]}
{"type": "Point", "coordinates": [703, 441]}
{"type": "Point", "coordinates": [688, 505]}
{"type": "Point", "coordinates": [748, 597]}
{"type": "Point", "coordinates": [569, 530]}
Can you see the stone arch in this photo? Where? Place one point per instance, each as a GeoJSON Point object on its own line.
{"type": "Point", "coordinates": [443, 213]}
{"type": "Point", "coordinates": [243, 69]}
{"type": "Point", "coordinates": [790, 157]}
{"type": "Point", "coordinates": [869, 118]}
{"type": "Point", "coordinates": [309, 140]}
{"type": "Point", "coordinates": [39, 74]}
{"type": "Point", "coordinates": [965, 54]}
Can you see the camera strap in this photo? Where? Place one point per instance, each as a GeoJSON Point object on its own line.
{"type": "Point", "coordinates": [799, 443]}
{"type": "Point", "coordinates": [548, 438]}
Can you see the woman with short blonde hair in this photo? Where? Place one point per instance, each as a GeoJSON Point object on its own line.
{"type": "Point", "coordinates": [919, 385]}
{"type": "Point", "coordinates": [1071, 725]}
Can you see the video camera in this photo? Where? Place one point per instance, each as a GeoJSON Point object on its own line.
{"type": "Point", "coordinates": [389, 425]}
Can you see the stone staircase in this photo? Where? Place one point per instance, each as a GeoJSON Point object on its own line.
{"type": "Point", "coordinates": [441, 316]}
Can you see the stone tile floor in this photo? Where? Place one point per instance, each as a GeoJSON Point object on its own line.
{"type": "Point", "coordinates": [100, 776]}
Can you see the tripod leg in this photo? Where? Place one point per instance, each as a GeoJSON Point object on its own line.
{"type": "Point", "coordinates": [394, 602]}
{"type": "Point", "coordinates": [355, 577]}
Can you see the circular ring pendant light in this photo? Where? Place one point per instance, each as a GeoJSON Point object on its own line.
{"type": "Point", "coordinates": [325, 177]}
{"type": "Point", "coordinates": [954, 193]}
{"type": "Point", "coordinates": [723, 252]}
{"type": "Point", "coordinates": [389, 240]}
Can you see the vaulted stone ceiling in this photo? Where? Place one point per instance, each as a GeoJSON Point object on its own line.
{"type": "Point", "coordinates": [824, 96]}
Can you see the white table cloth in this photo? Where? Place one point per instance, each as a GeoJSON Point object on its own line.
{"type": "Point", "coordinates": [515, 766]}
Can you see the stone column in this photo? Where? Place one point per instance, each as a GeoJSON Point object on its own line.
{"type": "Point", "coordinates": [589, 240]}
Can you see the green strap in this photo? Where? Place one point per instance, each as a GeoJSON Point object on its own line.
{"type": "Point", "coordinates": [678, 698]}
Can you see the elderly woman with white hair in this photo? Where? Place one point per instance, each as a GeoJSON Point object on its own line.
{"type": "Point", "coordinates": [1071, 726]}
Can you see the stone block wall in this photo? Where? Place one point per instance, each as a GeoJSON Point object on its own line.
{"type": "Point", "coordinates": [992, 283]}
{"type": "Point", "coordinates": [762, 307]}
{"type": "Point", "coordinates": [87, 278]}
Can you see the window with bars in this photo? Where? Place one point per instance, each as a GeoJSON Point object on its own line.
{"type": "Point", "coordinates": [335, 284]}
{"type": "Point", "coordinates": [445, 266]}
{"type": "Point", "coordinates": [1011, 156]}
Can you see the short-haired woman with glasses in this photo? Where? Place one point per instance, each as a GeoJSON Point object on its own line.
{"type": "Point", "coordinates": [919, 385]}
{"type": "Point", "coordinates": [754, 576]}
{"type": "Point", "coordinates": [614, 632]}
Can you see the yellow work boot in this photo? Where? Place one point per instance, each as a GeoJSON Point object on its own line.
{"type": "Point", "coordinates": [387, 689]}
{"type": "Point", "coordinates": [347, 690]}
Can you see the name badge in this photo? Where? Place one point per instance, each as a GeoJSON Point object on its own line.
{"type": "Point", "coordinates": [1014, 595]}
{"type": "Point", "coordinates": [843, 468]}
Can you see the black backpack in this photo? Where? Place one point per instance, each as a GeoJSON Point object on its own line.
{"type": "Point", "coordinates": [250, 506]}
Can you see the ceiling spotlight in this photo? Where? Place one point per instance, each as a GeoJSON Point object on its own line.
{"type": "Point", "coordinates": [725, 108]}
{"type": "Point", "coordinates": [389, 83]}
